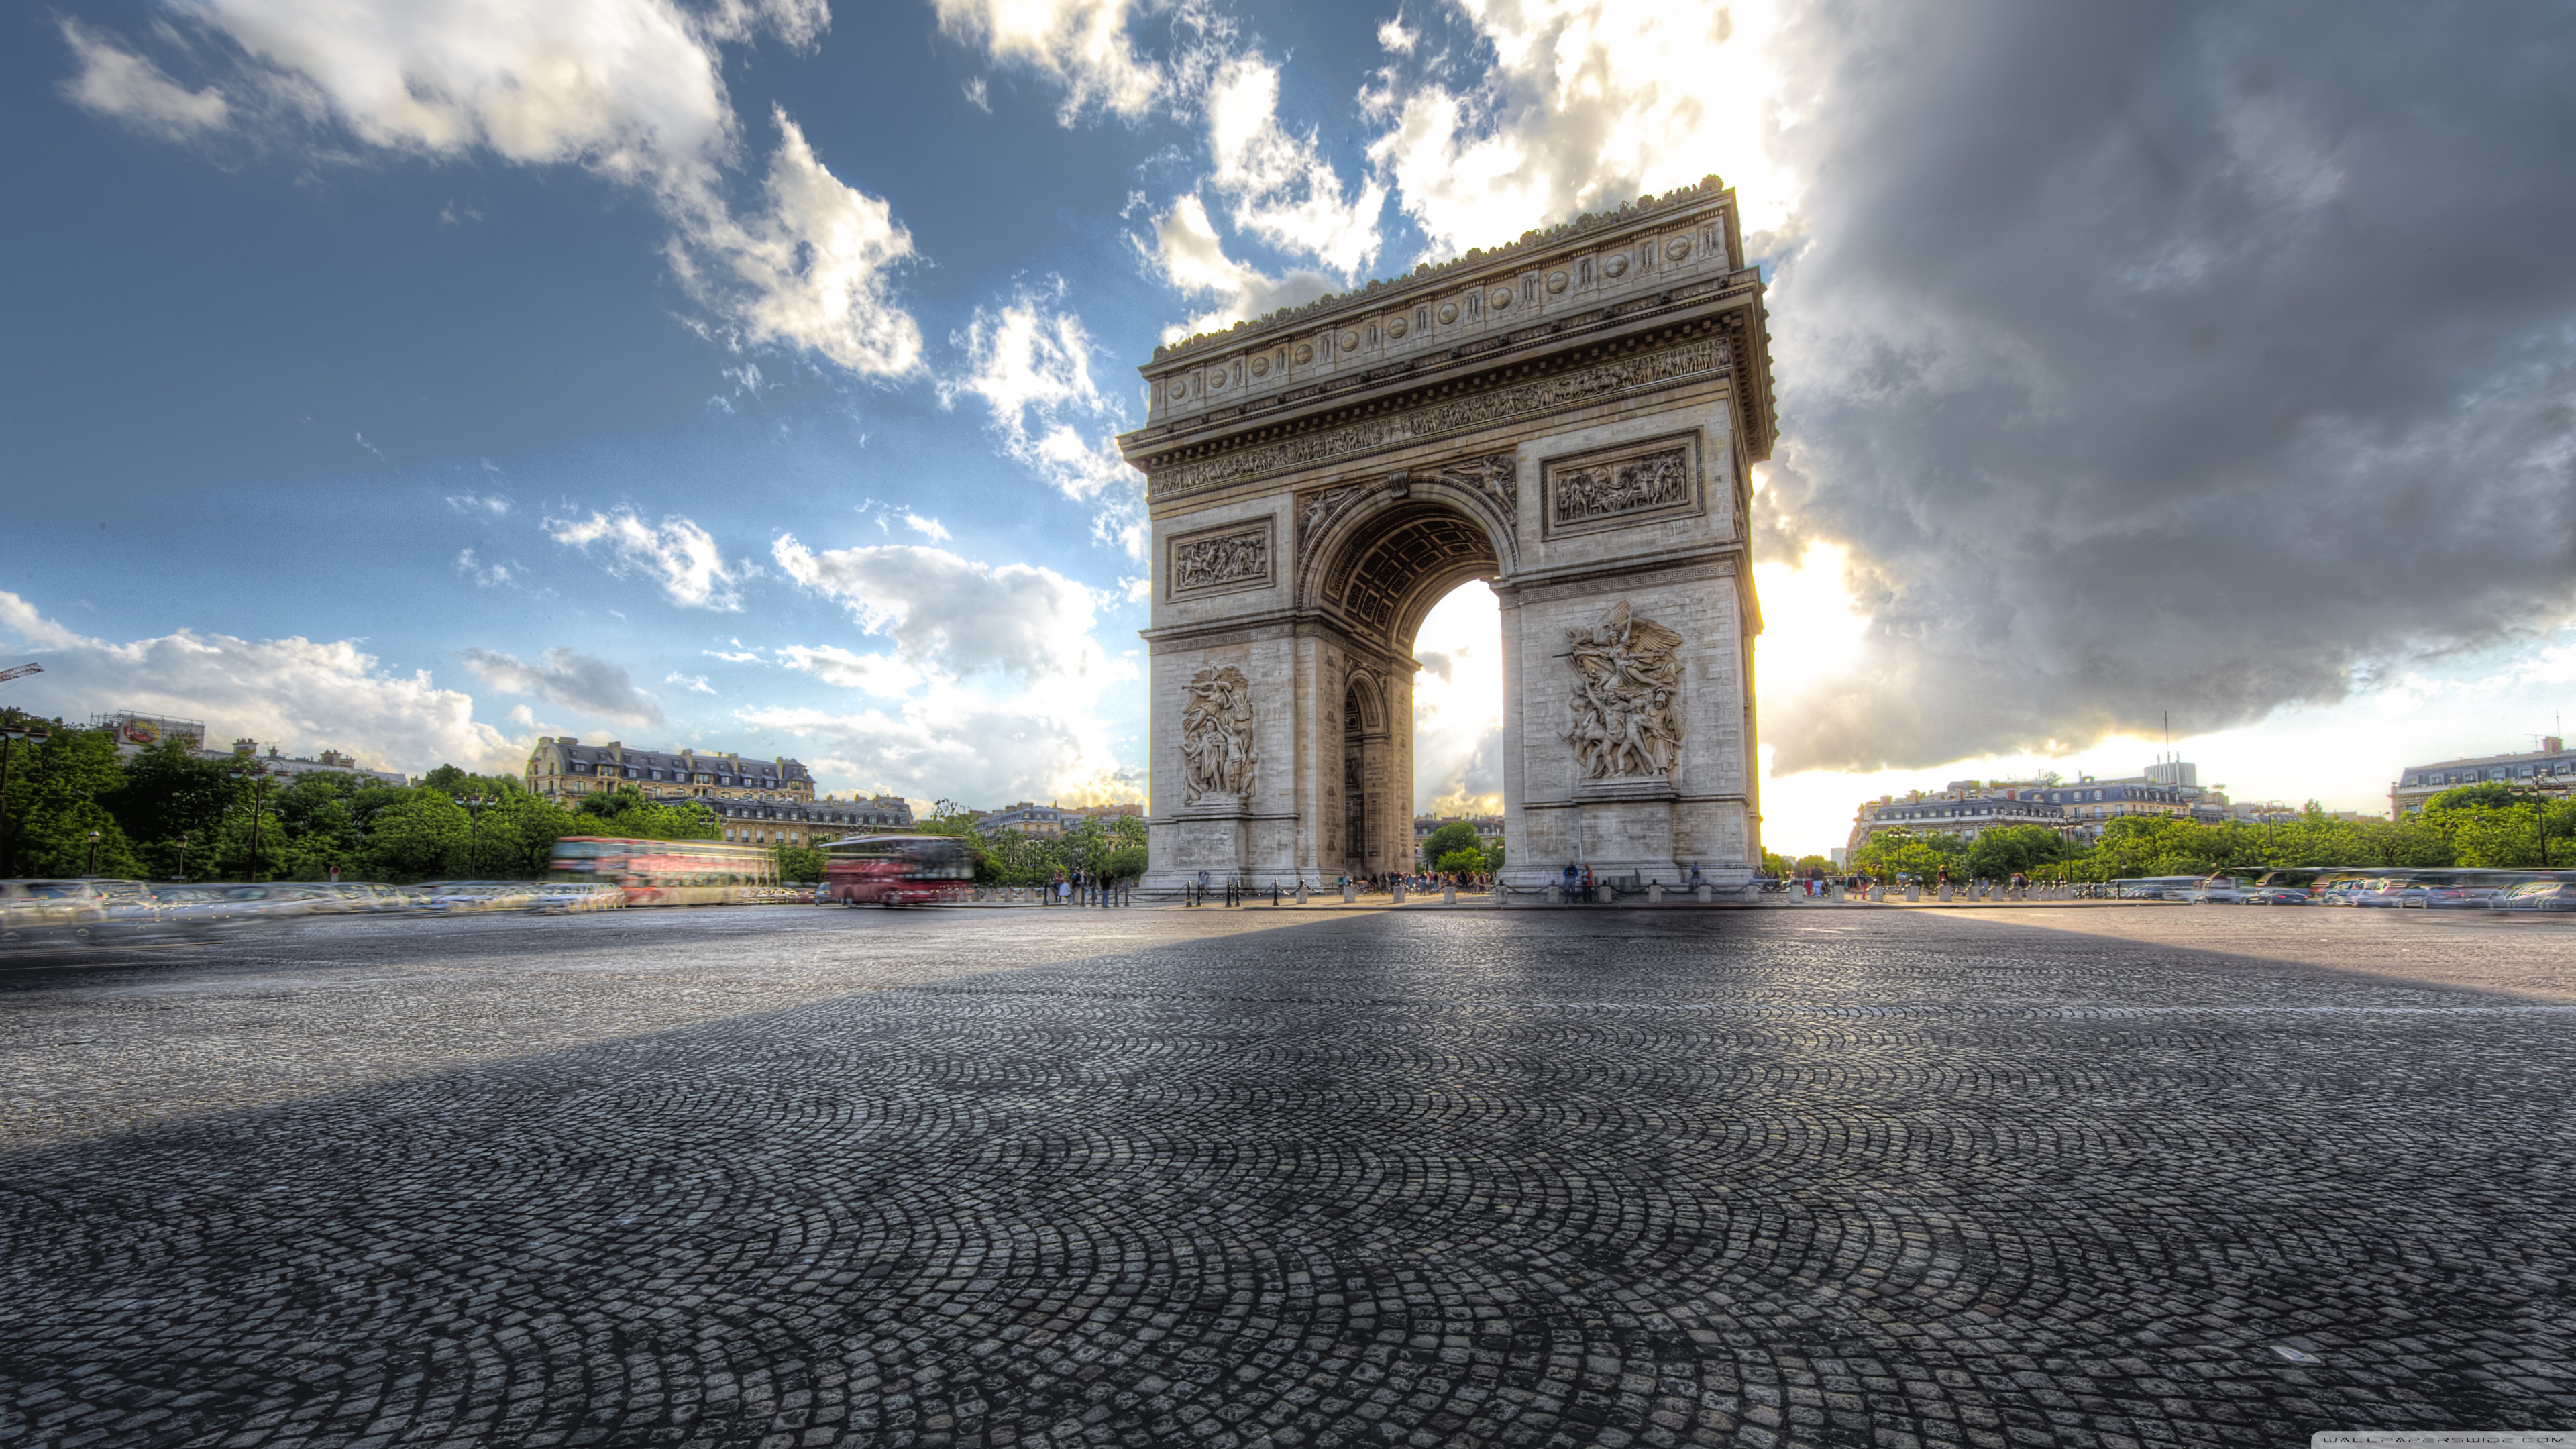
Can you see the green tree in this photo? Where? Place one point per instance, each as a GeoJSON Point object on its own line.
{"type": "Point", "coordinates": [1467, 860]}
{"type": "Point", "coordinates": [1921, 854]}
{"type": "Point", "coordinates": [947, 817]}
{"type": "Point", "coordinates": [1123, 862]}
{"type": "Point", "coordinates": [1455, 836]}
{"type": "Point", "coordinates": [627, 813]}
{"type": "Point", "coordinates": [1776, 865]}
{"type": "Point", "coordinates": [1814, 865]}
{"type": "Point", "coordinates": [169, 792]}
{"type": "Point", "coordinates": [54, 801]}
{"type": "Point", "coordinates": [2002, 853]}
{"type": "Point", "coordinates": [800, 864]}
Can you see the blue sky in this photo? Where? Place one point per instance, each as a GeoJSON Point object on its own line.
{"type": "Point", "coordinates": [418, 378]}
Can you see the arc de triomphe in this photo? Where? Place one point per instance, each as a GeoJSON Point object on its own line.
{"type": "Point", "coordinates": [1571, 418]}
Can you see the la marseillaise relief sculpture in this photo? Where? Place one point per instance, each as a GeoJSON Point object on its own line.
{"type": "Point", "coordinates": [1572, 419]}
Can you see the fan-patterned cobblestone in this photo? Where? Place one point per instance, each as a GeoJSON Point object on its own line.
{"type": "Point", "coordinates": [1872, 1178]}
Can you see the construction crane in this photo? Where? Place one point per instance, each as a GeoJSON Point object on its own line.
{"type": "Point", "coordinates": [20, 671]}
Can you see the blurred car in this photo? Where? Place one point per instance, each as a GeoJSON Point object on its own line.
{"type": "Point", "coordinates": [2456, 898]}
{"type": "Point", "coordinates": [2276, 896]}
{"type": "Point", "coordinates": [49, 913]}
{"type": "Point", "coordinates": [216, 904]}
{"type": "Point", "coordinates": [2392, 893]}
{"type": "Point", "coordinates": [2536, 895]}
{"type": "Point", "coordinates": [556, 897]}
{"type": "Point", "coordinates": [364, 898]}
{"type": "Point", "coordinates": [474, 897]}
{"type": "Point", "coordinates": [2219, 890]}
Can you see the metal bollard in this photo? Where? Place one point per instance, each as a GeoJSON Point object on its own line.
{"type": "Point", "coordinates": [1555, 894]}
{"type": "Point", "coordinates": [1301, 890]}
{"type": "Point", "coordinates": [1449, 895]}
{"type": "Point", "coordinates": [1395, 891]}
{"type": "Point", "coordinates": [1350, 893]}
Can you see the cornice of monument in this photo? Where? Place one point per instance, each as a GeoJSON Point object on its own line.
{"type": "Point", "coordinates": [1585, 232]}
{"type": "Point", "coordinates": [1555, 304]}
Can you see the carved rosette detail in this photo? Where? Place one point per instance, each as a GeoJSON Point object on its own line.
{"type": "Point", "coordinates": [1217, 757]}
{"type": "Point", "coordinates": [1627, 715]}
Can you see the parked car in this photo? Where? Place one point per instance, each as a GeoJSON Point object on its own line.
{"type": "Point", "coordinates": [2220, 890]}
{"type": "Point", "coordinates": [2536, 895]}
{"type": "Point", "coordinates": [2276, 896]}
{"type": "Point", "coordinates": [2455, 898]}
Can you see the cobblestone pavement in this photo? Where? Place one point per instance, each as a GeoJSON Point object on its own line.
{"type": "Point", "coordinates": [2157, 1178]}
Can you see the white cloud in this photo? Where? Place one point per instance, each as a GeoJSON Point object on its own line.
{"type": "Point", "coordinates": [1191, 256]}
{"type": "Point", "coordinates": [298, 694]}
{"type": "Point", "coordinates": [982, 754]}
{"type": "Point", "coordinates": [573, 680]}
{"type": "Point", "coordinates": [1080, 45]}
{"type": "Point", "coordinates": [930, 528]}
{"type": "Point", "coordinates": [694, 683]}
{"type": "Point", "coordinates": [494, 575]}
{"type": "Point", "coordinates": [956, 617]}
{"type": "Point", "coordinates": [495, 504]}
{"type": "Point", "coordinates": [1587, 102]}
{"type": "Point", "coordinates": [1284, 190]}
{"type": "Point", "coordinates": [677, 554]}
{"type": "Point", "coordinates": [631, 90]}
{"type": "Point", "coordinates": [812, 269]}
{"type": "Point", "coordinates": [1395, 39]}
{"type": "Point", "coordinates": [116, 82]}
{"type": "Point", "coordinates": [881, 674]}
{"type": "Point", "coordinates": [1032, 367]}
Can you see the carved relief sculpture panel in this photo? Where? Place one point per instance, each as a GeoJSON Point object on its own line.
{"type": "Point", "coordinates": [1220, 560]}
{"type": "Point", "coordinates": [1627, 697]}
{"type": "Point", "coordinates": [1637, 483]}
{"type": "Point", "coordinates": [1216, 738]}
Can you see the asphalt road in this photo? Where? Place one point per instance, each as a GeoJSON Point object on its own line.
{"type": "Point", "coordinates": [802, 1177]}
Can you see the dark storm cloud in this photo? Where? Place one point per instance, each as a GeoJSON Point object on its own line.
{"type": "Point", "coordinates": [2156, 356]}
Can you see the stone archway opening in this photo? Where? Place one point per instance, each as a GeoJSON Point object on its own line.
{"type": "Point", "coordinates": [1378, 568]}
{"type": "Point", "coordinates": [1458, 706]}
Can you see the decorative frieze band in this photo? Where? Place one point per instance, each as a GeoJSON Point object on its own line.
{"type": "Point", "coordinates": [1707, 354]}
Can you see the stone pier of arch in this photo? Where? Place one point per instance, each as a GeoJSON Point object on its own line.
{"type": "Point", "coordinates": [1571, 419]}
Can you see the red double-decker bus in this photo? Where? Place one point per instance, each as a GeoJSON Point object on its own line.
{"type": "Point", "coordinates": [896, 870]}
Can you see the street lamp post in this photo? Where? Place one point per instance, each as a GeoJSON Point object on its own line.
{"type": "Point", "coordinates": [93, 854]}
{"type": "Point", "coordinates": [474, 836]}
{"type": "Point", "coordinates": [183, 857]}
{"type": "Point", "coordinates": [10, 734]}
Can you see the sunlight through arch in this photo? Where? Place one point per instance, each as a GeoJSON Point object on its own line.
{"type": "Point", "coordinates": [1458, 705]}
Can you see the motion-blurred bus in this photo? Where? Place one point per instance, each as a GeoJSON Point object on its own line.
{"type": "Point", "coordinates": [669, 872]}
{"type": "Point", "coordinates": [896, 870]}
